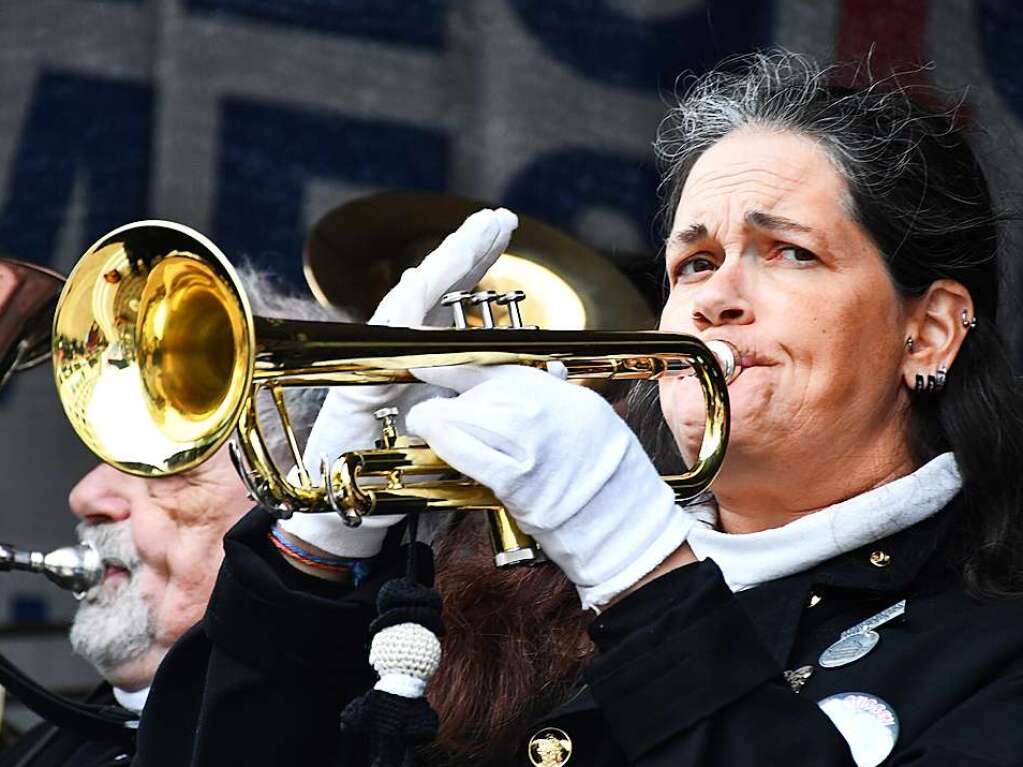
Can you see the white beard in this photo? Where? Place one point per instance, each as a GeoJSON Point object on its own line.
{"type": "Point", "coordinates": [113, 626]}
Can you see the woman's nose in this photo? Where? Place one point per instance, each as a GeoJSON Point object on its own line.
{"type": "Point", "coordinates": [101, 496]}
{"type": "Point", "coordinates": [722, 300]}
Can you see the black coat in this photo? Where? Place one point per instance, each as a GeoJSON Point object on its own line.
{"type": "Point", "coordinates": [47, 745]}
{"type": "Point", "coordinates": [687, 672]}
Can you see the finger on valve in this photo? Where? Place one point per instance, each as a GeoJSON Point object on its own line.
{"type": "Point", "coordinates": [345, 421]}
{"type": "Point", "coordinates": [458, 263]}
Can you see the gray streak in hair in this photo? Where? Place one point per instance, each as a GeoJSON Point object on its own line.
{"type": "Point", "coordinates": [269, 297]}
{"type": "Point", "coordinates": [873, 134]}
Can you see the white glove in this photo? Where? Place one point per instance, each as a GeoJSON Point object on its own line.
{"type": "Point", "coordinates": [566, 467]}
{"type": "Point", "coordinates": [346, 420]}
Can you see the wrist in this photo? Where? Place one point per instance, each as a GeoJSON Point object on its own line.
{"type": "Point", "coordinates": [311, 560]}
{"type": "Point", "coordinates": [647, 543]}
{"type": "Point", "coordinates": [327, 534]}
{"type": "Point", "coordinates": [681, 557]}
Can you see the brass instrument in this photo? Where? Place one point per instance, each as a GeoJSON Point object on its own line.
{"type": "Point", "coordinates": [74, 568]}
{"type": "Point", "coordinates": [357, 252]}
{"type": "Point", "coordinates": [158, 359]}
{"type": "Point", "coordinates": [28, 297]}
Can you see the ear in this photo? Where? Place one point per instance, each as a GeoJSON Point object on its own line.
{"type": "Point", "coordinates": [935, 324]}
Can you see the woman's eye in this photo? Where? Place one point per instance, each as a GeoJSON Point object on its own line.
{"type": "Point", "coordinates": [695, 265]}
{"type": "Point", "coordinates": [799, 255]}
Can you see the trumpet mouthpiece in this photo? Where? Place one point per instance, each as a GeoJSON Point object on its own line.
{"type": "Point", "coordinates": [728, 358]}
{"type": "Point", "coordinates": [74, 568]}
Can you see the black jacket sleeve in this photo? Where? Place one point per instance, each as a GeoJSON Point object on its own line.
{"type": "Point", "coordinates": [263, 678]}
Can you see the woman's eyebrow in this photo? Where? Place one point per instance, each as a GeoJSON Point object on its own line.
{"type": "Point", "coordinates": [757, 219]}
{"type": "Point", "coordinates": [689, 235]}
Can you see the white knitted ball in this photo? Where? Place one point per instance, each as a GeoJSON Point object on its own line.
{"type": "Point", "coordinates": [407, 648]}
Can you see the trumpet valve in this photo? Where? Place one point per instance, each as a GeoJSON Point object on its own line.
{"type": "Point", "coordinates": [483, 299]}
{"type": "Point", "coordinates": [388, 427]}
{"type": "Point", "coordinates": [511, 300]}
{"type": "Point", "coordinates": [457, 301]}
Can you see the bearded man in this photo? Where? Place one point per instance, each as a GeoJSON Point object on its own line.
{"type": "Point", "coordinates": [161, 543]}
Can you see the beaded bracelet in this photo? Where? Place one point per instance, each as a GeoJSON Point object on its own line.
{"type": "Point", "coordinates": [357, 568]}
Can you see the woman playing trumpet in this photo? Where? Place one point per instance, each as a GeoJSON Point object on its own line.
{"type": "Point", "coordinates": [849, 593]}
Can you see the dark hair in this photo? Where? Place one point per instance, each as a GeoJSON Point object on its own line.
{"type": "Point", "coordinates": [918, 190]}
{"type": "Point", "coordinates": [515, 646]}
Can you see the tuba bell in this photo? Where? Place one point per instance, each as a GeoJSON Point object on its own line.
{"type": "Point", "coordinates": [158, 360]}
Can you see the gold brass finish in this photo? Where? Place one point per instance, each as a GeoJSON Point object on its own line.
{"type": "Point", "coordinates": [158, 358]}
{"type": "Point", "coordinates": [152, 348]}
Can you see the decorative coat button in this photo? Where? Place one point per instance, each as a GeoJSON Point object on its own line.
{"type": "Point", "coordinates": [550, 747]}
{"type": "Point", "coordinates": [797, 677]}
{"type": "Point", "coordinates": [880, 559]}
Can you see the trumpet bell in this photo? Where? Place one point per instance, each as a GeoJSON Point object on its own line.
{"type": "Point", "coordinates": [152, 348]}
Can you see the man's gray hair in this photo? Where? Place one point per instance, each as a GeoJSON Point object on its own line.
{"type": "Point", "coordinates": [269, 297]}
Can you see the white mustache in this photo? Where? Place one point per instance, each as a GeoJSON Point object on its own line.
{"type": "Point", "coordinates": [113, 541]}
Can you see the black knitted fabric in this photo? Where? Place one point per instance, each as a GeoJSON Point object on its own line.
{"type": "Point", "coordinates": [402, 600]}
{"type": "Point", "coordinates": [392, 726]}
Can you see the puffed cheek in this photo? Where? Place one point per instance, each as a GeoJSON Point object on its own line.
{"type": "Point", "coordinates": [685, 416]}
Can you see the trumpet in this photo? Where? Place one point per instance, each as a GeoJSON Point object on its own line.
{"type": "Point", "coordinates": [158, 359]}
{"type": "Point", "coordinates": [74, 568]}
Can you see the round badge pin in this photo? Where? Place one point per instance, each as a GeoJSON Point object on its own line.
{"type": "Point", "coordinates": [868, 724]}
{"type": "Point", "coordinates": [849, 649]}
{"type": "Point", "coordinates": [550, 747]}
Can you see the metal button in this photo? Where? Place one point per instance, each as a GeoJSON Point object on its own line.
{"type": "Point", "coordinates": [550, 747]}
{"type": "Point", "coordinates": [814, 600]}
{"type": "Point", "coordinates": [880, 559]}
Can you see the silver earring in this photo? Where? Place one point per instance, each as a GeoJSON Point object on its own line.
{"type": "Point", "coordinates": [939, 379]}
{"type": "Point", "coordinates": [968, 322]}
{"type": "Point", "coordinates": [909, 343]}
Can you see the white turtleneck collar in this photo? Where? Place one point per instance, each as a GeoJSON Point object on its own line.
{"type": "Point", "coordinates": [749, 559]}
